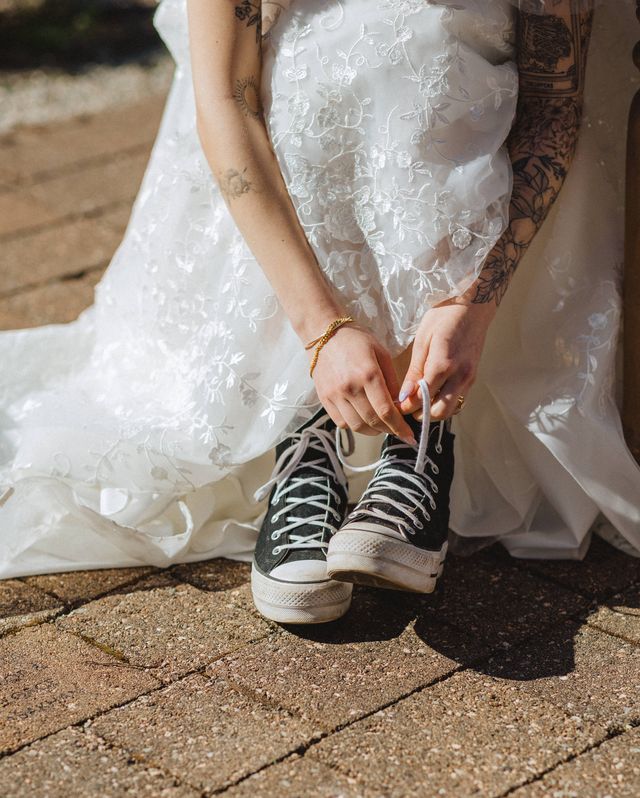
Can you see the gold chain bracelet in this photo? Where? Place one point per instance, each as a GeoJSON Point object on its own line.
{"type": "Point", "coordinates": [321, 340]}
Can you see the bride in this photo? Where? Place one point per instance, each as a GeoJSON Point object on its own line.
{"type": "Point", "coordinates": [325, 242]}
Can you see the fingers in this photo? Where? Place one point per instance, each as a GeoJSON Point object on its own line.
{"type": "Point", "coordinates": [367, 406]}
{"type": "Point", "coordinates": [335, 415]}
{"type": "Point", "coordinates": [362, 396]}
{"type": "Point", "coordinates": [356, 417]}
{"type": "Point", "coordinates": [377, 416]}
{"type": "Point", "coordinates": [437, 370]}
{"type": "Point", "coordinates": [446, 380]}
{"type": "Point", "coordinates": [388, 372]}
{"type": "Point", "coordinates": [410, 396]}
{"type": "Point", "coordinates": [381, 392]}
{"type": "Point", "coordinates": [383, 406]}
{"type": "Point", "coordinates": [446, 403]}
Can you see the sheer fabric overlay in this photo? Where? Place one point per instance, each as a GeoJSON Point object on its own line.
{"type": "Point", "coordinates": [552, 6]}
{"type": "Point", "coordinates": [138, 433]}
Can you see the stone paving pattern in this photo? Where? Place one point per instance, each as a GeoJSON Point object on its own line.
{"type": "Point", "coordinates": [515, 678]}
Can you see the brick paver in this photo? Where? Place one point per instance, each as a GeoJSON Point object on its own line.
{"type": "Point", "coordinates": [469, 735]}
{"type": "Point", "coordinates": [367, 660]}
{"type": "Point", "coordinates": [72, 764]}
{"type": "Point", "coordinates": [518, 677]}
{"type": "Point", "coordinates": [57, 303]}
{"type": "Point", "coordinates": [51, 679]}
{"type": "Point", "coordinates": [492, 601]}
{"type": "Point", "coordinates": [92, 189]}
{"type": "Point", "coordinates": [610, 770]}
{"type": "Point", "coordinates": [215, 575]}
{"type": "Point", "coordinates": [81, 586]}
{"type": "Point", "coordinates": [20, 212]}
{"type": "Point", "coordinates": [620, 615]}
{"type": "Point", "coordinates": [22, 605]}
{"type": "Point", "coordinates": [587, 673]}
{"type": "Point", "coordinates": [207, 732]}
{"type": "Point", "coordinates": [300, 778]}
{"type": "Point", "coordinates": [116, 219]}
{"type": "Point", "coordinates": [65, 249]}
{"type": "Point", "coordinates": [172, 628]}
{"type": "Point", "coordinates": [31, 154]}
{"type": "Point", "coordinates": [603, 572]}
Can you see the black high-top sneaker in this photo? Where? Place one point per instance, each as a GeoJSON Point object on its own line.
{"type": "Point", "coordinates": [307, 505]}
{"type": "Point", "coordinates": [396, 536]}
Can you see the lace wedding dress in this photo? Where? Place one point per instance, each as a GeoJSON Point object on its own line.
{"type": "Point", "coordinates": [139, 432]}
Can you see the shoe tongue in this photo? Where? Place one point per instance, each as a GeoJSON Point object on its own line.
{"type": "Point", "coordinates": [416, 426]}
{"type": "Point", "coordinates": [319, 419]}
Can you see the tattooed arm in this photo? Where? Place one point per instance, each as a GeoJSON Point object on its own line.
{"type": "Point", "coordinates": [551, 59]}
{"type": "Point", "coordinates": [354, 375]}
{"type": "Point", "coordinates": [225, 45]}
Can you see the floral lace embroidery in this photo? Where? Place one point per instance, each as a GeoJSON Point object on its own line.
{"type": "Point", "coordinates": [371, 170]}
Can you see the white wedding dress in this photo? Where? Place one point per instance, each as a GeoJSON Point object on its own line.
{"type": "Point", "coordinates": [138, 433]}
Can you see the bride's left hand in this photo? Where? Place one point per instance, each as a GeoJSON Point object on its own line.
{"type": "Point", "coordinates": [446, 352]}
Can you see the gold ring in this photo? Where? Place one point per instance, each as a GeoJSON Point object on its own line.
{"type": "Point", "coordinates": [460, 405]}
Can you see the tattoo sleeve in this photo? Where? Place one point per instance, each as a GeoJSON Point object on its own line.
{"type": "Point", "coordinates": [551, 61]}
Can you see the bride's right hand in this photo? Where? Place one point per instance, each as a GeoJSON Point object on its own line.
{"type": "Point", "coordinates": [357, 384]}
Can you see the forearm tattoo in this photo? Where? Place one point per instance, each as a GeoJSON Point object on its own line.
{"type": "Point", "coordinates": [552, 58]}
{"type": "Point", "coordinates": [247, 95]}
{"type": "Point", "coordinates": [234, 184]}
{"type": "Point", "coordinates": [250, 12]}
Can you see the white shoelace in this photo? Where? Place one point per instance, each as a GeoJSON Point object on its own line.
{"type": "Point", "coordinates": [411, 498]}
{"type": "Point", "coordinates": [321, 440]}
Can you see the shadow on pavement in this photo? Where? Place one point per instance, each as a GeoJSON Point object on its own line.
{"type": "Point", "coordinates": [499, 616]}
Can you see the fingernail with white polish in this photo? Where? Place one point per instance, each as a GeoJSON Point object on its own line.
{"type": "Point", "coordinates": [407, 389]}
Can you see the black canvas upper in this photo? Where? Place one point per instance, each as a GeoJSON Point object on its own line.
{"type": "Point", "coordinates": [264, 557]}
{"type": "Point", "coordinates": [433, 511]}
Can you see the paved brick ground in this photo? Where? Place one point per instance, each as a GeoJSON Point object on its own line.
{"type": "Point", "coordinates": [515, 678]}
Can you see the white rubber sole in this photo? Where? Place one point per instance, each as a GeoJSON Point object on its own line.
{"type": "Point", "coordinates": [373, 558]}
{"type": "Point", "coordinates": [299, 602]}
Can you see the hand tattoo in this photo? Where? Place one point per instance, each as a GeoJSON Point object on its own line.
{"type": "Point", "coordinates": [542, 143]}
{"type": "Point", "coordinates": [233, 184]}
{"type": "Point", "coordinates": [247, 95]}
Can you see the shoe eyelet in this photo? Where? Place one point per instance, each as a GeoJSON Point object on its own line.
{"type": "Point", "coordinates": [275, 536]}
{"type": "Point", "coordinates": [435, 488]}
{"type": "Point", "coordinates": [275, 551]}
{"type": "Point", "coordinates": [419, 524]}
{"type": "Point", "coordinates": [439, 448]}
{"type": "Point", "coordinates": [435, 469]}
